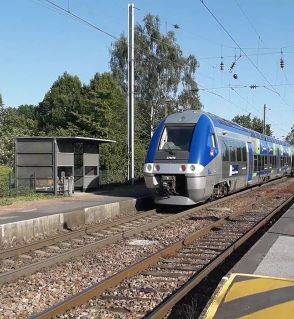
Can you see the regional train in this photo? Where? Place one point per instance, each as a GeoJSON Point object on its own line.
{"type": "Point", "coordinates": [194, 156]}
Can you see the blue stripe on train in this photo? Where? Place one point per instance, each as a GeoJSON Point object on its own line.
{"type": "Point", "coordinates": [154, 143]}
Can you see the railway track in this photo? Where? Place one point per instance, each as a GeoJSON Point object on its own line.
{"type": "Point", "coordinates": [27, 259]}
{"type": "Point", "coordinates": [151, 286]}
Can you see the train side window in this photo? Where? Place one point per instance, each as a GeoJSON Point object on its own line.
{"type": "Point", "coordinates": [239, 154]}
{"type": "Point", "coordinates": [232, 154]}
{"type": "Point", "coordinates": [225, 152]}
{"type": "Point", "coordinates": [265, 160]}
{"type": "Point", "coordinates": [255, 163]}
{"type": "Point", "coordinates": [262, 162]}
{"type": "Point", "coordinates": [244, 153]}
{"type": "Point", "coordinates": [259, 163]}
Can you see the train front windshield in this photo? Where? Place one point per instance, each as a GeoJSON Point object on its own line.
{"type": "Point", "coordinates": [176, 138]}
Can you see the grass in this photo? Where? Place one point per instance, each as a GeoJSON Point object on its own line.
{"type": "Point", "coordinates": [9, 200]}
{"type": "Point", "coordinates": [9, 196]}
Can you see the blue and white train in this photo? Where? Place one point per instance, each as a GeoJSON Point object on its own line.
{"type": "Point", "coordinates": [194, 156]}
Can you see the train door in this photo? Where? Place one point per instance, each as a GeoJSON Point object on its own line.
{"type": "Point", "coordinates": [250, 162]}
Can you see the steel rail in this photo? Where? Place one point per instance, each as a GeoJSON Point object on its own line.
{"type": "Point", "coordinates": [110, 282]}
{"type": "Point", "coordinates": [62, 257]}
{"type": "Point", "coordinates": [31, 268]}
{"type": "Point", "coordinates": [163, 309]}
{"type": "Point", "coordinates": [15, 251]}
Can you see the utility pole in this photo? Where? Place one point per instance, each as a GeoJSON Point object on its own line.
{"type": "Point", "coordinates": [131, 157]}
{"type": "Point", "coordinates": [264, 110]}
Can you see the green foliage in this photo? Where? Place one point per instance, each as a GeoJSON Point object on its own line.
{"type": "Point", "coordinates": [164, 79]}
{"type": "Point", "coordinates": [253, 123]}
{"type": "Point", "coordinates": [290, 136]}
{"type": "Point", "coordinates": [105, 116]}
{"type": "Point", "coordinates": [4, 201]}
{"type": "Point", "coordinates": [15, 122]}
{"type": "Point", "coordinates": [164, 83]}
{"type": "Point", "coordinates": [4, 180]}
{"type": "Point", "coordinates": [56, 113]}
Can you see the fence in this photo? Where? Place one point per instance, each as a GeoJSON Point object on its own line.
{"type": "Point", "coordinates": [65, 185]}
{"type": "Point", "coordinates": [25, 186]}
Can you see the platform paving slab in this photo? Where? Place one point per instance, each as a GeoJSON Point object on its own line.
{"type": "Point", "coordinates": [273, 254]}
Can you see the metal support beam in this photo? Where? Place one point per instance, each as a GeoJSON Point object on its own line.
{"type": "Point", "coordinates": [131, 157]}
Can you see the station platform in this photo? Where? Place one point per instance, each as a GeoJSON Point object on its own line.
{"type": "Point", "coordinates": [261, 284]}
{"type": "Point", "coordinates": [28, 219]}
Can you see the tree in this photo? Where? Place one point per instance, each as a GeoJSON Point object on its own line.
{"type": "Point", "coordinates": [253, 123]}
{"type": "Point", "coordinates": [290, 136]}
{"type": "Point", "coordinates": [104, 115]}
{"type": "Point", "coordinates": [94, 110]}
{"type": "Point", "coordinates": [164, 76]}
{"type": "Point", "coordinates": [15, 122]}
{"type": "Point", "coordinates": [164, 79]}
{"type": "Point", "coordinates": [56, 113]}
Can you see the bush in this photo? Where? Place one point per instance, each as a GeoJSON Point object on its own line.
{"type": "Point", "coordinates": [4, 180]}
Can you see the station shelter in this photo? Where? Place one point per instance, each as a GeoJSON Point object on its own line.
{"type": "Point", "coordinates": [44, 161]}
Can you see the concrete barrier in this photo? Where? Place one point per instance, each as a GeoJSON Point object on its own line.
{"type": "Point", "coordinates": [39, 227]}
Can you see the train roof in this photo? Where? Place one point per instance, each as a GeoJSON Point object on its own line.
{"type": "Point", "coordinates": [192, 116]}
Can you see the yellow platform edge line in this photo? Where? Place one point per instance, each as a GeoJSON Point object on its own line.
{"type": "Point", "coordinates": [255, 286]}
{"type": "Point", "coordinates": [262, 276]}
{"type": "Point", "coordinates": [219, 297]}
{"type": "Point", "coordinates": [210, 313]}
{"type": "Point", "coordinates": [283, 310]}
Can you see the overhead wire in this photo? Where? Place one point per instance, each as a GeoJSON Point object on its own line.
{"type": "Point", "coordinates": [249, 20]}
{"type": "Point", "coordinates": [161, 40]}
{"type": "Point", "coordinates": [224, 98]}
{"type": "Point", "coordinates": [272, 89]}
{"type": "Point", "coordinates": [242, 50]}
{"type": "Point", "coordinates": [67, 11]}
{"type": "Point", "coordinates": [78, 18]}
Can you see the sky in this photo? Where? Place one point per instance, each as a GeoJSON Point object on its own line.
{"type": "Point", "coordinates": [38, 43]}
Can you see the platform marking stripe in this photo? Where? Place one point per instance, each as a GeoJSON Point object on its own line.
{"type": "Point", "coordinates": [212, 309]}
{"type": "Point", "coordinates": [218, 301]}
{"type": "Point", "coordinates": [253, 303]}
{"type": "Point", "coordinates": [282, 311]}
{"type": "Point", "coordinates": [254, 286]}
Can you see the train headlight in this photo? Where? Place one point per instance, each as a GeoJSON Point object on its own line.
{"type": "Point", "coordinates": [192, 168]}
{"type": "Point", "coordinates": [148, 168]}
{"type": "Point", "coordinates": [157, 167]}
{"type": "Point", "coordinates": [183, 168]}
{"type": "Point", "coordinates": [195, 169]}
